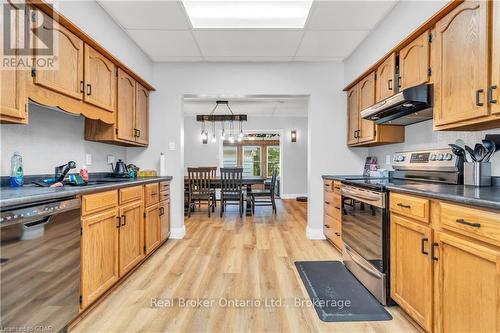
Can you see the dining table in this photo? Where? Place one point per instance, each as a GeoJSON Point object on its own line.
{"type": "Point", "coordinates": [247, 181]}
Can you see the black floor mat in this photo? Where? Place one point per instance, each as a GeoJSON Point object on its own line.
{"type": "Point", "coordinates": [337, 295]}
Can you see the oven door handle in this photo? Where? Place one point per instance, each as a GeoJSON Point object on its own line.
{"type": "Point", "coordinates": [370, 271]}
{"type": "Point", "coordinates": [356, 196]}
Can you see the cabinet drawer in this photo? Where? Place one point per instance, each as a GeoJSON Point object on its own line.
{"type": "Point", "coordinates": [332, 204]}
{"type": "Point", "coordinates": [130, 194]}
{"type": "Point", "coordinates": [328, 185]}
{"type": "Point", "coordinates": [164, 186]}
{"type": "Point", "coordinates": [164, 196]}
{"type": "Point", "coordinates": [151, 192]}
{"type": "Point", "coordinates": [333, 231]}
{"type": "Point", "coordinates": [416, 208]}
{"type": "Point", "coordinates": [97, 202]}
{"type": "Point", "coordinates": [336, 187]}
{"type": "Point", "coordinates": [477, 223]}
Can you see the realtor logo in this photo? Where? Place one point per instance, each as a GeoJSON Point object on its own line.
{"type": "Point", "coordinates": [28, 38]}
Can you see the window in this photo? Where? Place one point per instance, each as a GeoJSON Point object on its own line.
{"type": "Point", "coordinates": [273, 160]}
{"type": "Point", "coordinates": [230, 159]}
{"type": "Point", "coordinates": [251, 160]}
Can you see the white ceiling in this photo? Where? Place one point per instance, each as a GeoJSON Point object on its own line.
{"type": "Point", "coordinates": [163, 30]}
{"type": "Point", "coordinates": [260, 106]}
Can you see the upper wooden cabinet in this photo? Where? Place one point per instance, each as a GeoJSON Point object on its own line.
{"type": "Point", "coordinates": [414, 62]}
{"type": "Point", "coordinates": [12, 87]}
{"type": "Point", "coordinates": [100, 80]}
{"type": "Point", "coordinates": [125, 116]}
{"type": "Point", "coordinates": [366, 99]}
{"type": "Point", "coordinates": [461, 64]}
{"type": "Point", "coordinates": [141, 114]}
{"type": "Point", "coordinates": [385, 75]}
{"type": "Point", "coordinates": [494, 89]}
{"type": "Point", "coordinates": [353, 115]}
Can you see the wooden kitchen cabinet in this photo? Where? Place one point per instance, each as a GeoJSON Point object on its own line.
{"type": "Point", "coordinates": [366, 99]}
{"type": "Point", "coordinates": [353, 115]}
{"type": "Point", "coordinates": [385, 75]}
{"type": "Point", "coordinates": [131, 236]}
{"type": "Point", "coordinates": [126, 107]}
{"type": "Point", "coordinates": [460, 64]}
{"type": "Point", "coordinates": [414, 62]}
{"type": "Point", "coordinates": [152, 228]}
{"type": "Point", "coordinates": [164, 219]}
{"type": "Point", "coordinates": [12, 86]}
{"type": "Point", "coordinates": [99, 260]}
{"type": "Point", "coordinates": [467, 283]}
{"type": "Point", "coordinates": [494, 89]}
{"type": "Point", "coordinates": [411, 269]}
{"type": "Point", "coordinates": [141, 114]}
{"type": "Point", "coordinates": [100, 80]}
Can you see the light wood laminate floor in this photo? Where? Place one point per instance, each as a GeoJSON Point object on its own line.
{"type": "Point", "coordinates": [228, 259]}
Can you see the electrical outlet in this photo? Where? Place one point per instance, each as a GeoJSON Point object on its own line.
{"type": "Point", "coordinates": [171, 146]}
{"type": "Point", "coordinates": [88, 159]}
{"type": "Point", "coordinates": [111, 159]}
{"type": "Point", "coordinates": [388, 159]}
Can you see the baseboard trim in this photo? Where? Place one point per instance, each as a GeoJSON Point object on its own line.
{"type": "Point", "coordinates": [293, 196]}
{"type": "Point", "coordinates": [177, 233]}
{"type": "Point", "coordinates": [315, 233]}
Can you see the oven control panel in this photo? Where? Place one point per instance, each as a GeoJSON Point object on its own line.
{"type": "Point", "coordinates": [430, 160]}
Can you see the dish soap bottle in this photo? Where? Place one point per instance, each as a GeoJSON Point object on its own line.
{"type": "Point", "coordinates": [16, 170]}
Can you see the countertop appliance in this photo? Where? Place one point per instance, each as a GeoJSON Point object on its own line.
{"type": "Point", "coordinates": [409, 106]}
{"type": "Point", "coordinates": [365, 213]}
{"type": "Point", "coordinates": [120, 170]}
{"type": "Point", "coordinates": [40, 265]}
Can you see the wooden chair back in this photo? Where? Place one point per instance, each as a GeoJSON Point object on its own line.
{"type": "Point", "coordinates": [272, 186]}
{"type": "Point", "coordinates": [213, 171]}
{"type": "Point", "coordinates": [231, 180]}
{"type": "Point", "coordinates": [199, 180]}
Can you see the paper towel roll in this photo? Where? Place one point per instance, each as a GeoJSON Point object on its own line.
{"type": "Point", "coordinates": [163, 171]}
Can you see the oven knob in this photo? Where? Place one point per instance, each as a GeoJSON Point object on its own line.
{"type": "Point", "coordinates": [448, 157]}
{"type": "Point", "coordinates": [432, 157]}
{"type": "Point", "coordinates": [440, 157]}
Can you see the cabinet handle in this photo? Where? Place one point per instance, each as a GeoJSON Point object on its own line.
{"type": "Point", "coordinates": [422, 246]}
{"type": "Point", "coordinates": [327, 226]}
{"type": "Point", "coordinates": [490, 95]}
{"type": "Point", "coordinates": [89, 89]}
{"type": "Point", "coordinates": [478, 97]}
{"type": "Point", "coordinates": [138, 133]}
{"type": "Point", "coordinates": [119, 221]}
{"type": "Point", "coordinates": [337, 234]}
{"type": "Point", "coordinates": [433, 251]}
{"type": "Point", "coordinates": [124, 220]}
{"type": "Point", "coordinates": [389, 84]}
{"type": "Point", "coordinates": [470, 224]}
{"type": "Point", "coordinates": [82, 86]}
{"type": "Point", "coordinates": [404, 206]}
{"type": "Point", "coordinates": [337, 207]}
{"type": "Point", "coordinates": [400, 79]}
{"type": "Point", "coordinates": [162, 211]}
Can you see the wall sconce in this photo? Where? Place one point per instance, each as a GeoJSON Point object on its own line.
{"type": "Point", "coordinates": [293, 135]}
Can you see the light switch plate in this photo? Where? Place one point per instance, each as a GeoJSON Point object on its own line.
{"type": "Point", "coordinates": [171, 146]}
{"type": "Point", "coordinates": [387, 159]}
{"type": "Point", "coordinates": [111, 159]}
{"type": "Point", "coordinates": [88, 159]}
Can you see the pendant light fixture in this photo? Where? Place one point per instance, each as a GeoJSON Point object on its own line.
{"type": "Point", "coordinates": [222, 118]}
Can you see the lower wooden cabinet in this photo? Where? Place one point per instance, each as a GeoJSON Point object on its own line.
{"type": "Point", "coordinates": [131, 236]}
{"type": "Point", "coordinates": [99, 260]}
{"type": "Point", "coordinates": [467, 282]}
{"type": "Point", "coordinates": [411, 269]}
{"type": "Point", "coordinates": [152, 228]}
{"type": "Point", "coordinates": [332, 213]}
{"type": "Point", "coordinates": [164, 219]}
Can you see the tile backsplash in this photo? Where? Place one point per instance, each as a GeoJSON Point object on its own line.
{"type": "Point", "coordinates": [421, 136]}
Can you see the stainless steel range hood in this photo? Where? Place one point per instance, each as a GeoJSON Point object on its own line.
{"type": "Point", "coordinates": [407, 107]}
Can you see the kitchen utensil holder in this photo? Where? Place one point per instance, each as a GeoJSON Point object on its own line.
{"type": "Point", "coordinates": [477, 173]}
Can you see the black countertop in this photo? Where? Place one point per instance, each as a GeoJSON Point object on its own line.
{"type": "Point", "coordinates": [10, 197]}
{"type": "Point", "coordinates": [487, 197]}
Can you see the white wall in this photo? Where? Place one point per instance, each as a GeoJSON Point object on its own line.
{"type": "Point", "coordinates": [52, 138]}
{"type": "Point", "coordinates": [399, 23]}
{"type": "Point", "coordinates": [327, 123]}
{"type": "Point", "coordinates": [294, 154]}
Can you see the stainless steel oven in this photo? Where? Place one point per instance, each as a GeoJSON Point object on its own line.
{"type": "Point", "coordinates": [365, 233]}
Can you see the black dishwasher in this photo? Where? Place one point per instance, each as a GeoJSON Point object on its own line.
{"type": "Point", "coordinates": [40, 266]}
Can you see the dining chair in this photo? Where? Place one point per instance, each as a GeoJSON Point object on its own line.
{"type": "Point", "coordinates": [266, 196]}
{"type": "Point", "coordinates": [200, 189]}
{"type": "Point", "coordinates": [231, 189]}
{"type": "Point", "coordinates": [213, 173]}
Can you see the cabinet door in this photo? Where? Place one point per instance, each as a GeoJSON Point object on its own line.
{"type": "Point", "coordinates": [384, 86]}
{"type": "Point", "coordinates": [99, 260]}
{"type": "Point", "coordinates": [366, 99]}
{"type": "Point", "coordinates": [131, 236]}
{"type": "Point", "coordinates": [125, 107]}
{"type": "Point", "coordinates": [164, 219]}
{"type": "Point", "coordinates": [494, 90]}
{"type": "Point", "coordinates": [467, 284]}
{"type": "Point", "coordinates": [152, 228]}
{"type": "Point", "coordinates": [414, 62]}
{"type": "Point", "coordinates": [100, 80]}
{"type": "Point", "coordinates": [67, 78]}
{"type": "Point", "coordinates": [411, 269]}
{"type": "Point", "coordinates": [353, 115]}
{"type": "Point", "coordinates": [141, 114]}
{"type": "Point", "coordinates": [460, 63]}
{"type": "Point", "coordinates": [12, 100]}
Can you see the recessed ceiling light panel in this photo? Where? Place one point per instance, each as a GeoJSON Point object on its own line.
{"type": "Point", "coordinates": [227, 14]}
